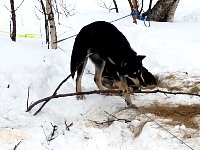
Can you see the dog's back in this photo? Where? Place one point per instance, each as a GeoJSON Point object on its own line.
{"type": "Point", "coordinates": [102, 38]}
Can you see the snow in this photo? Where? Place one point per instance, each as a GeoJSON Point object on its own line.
{"type": "Point", "coordinates": [28, 64]}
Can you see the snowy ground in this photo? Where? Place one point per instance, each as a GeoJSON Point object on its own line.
{"type": "Point", "coordinates": [171, 48]}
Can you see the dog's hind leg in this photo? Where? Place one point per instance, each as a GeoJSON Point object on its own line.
{"type": "Point", "coordinates": [79, 78]}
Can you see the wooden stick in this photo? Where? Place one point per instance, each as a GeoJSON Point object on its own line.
{"type": "Point", "coordinates": [47, 99]}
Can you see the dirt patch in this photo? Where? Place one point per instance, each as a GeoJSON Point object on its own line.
{"type": "Point", "coordinates": [179, 82]}
{"type": "Point", "coordinates": [181, 114]}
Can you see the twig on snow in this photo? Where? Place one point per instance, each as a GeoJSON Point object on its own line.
{"type": "Point", "coordinates": [67, 126]}
{"type": "Point", "coordinates": [110, 121]}
{"type": "Point", "coordinates": [17, 145]}
{"type": "Point", "coordinates": [52, 136]}
{"type": "Point", "coordinates": [27, 98]}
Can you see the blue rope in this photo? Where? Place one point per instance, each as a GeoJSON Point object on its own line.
{"type": "Point", "coordinates": [143, 18]}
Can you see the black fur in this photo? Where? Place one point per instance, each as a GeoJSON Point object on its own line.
{"type": "Point", "coordinates": [105, 43]}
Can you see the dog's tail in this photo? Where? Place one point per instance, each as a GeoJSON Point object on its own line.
{"type": "Point", "coordinates": [79, 54]}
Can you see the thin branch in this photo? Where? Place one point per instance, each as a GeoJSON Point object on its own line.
{"type": "Point", "coordinates": [45, 133]}
{"type": "Point", "coordinates": [55, 92]}
{"type": "Point", "coordinates": [27, 98]}
{"type": "Point", "coordinates": [7, 8]}
{"type": "Point", "coordinates": [142, 5]}
{"type": "Point", "coordinates": [47, 99]}
{"type": "Point", "coordinates": [52, 136]}
{"type": "Point", "coordinates": [116, 118]}
{"type": "Point", "coordinates": [103, 4]}
{"type": "Point", "coordinates": [19, 5]}
{"type": "Point", "coordinates": [39, 10]}
{"type": "Point", "coordinates": [17, 145]}
{"type": "Point", "coordinates": [150, 4]}
{"type": "Point", "coordinates": [67, 126]}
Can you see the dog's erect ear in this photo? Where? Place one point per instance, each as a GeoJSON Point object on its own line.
{"type": "Point", "coordinates": [123, 64]}
{"type": "Point", "coordinates": [141, 57]}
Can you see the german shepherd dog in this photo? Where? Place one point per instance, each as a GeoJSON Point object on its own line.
{"type": "Point", "coordinates": [102, 42]}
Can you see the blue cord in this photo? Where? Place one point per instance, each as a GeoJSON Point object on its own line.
{"type": "Point", "coordinates": [143, 18]}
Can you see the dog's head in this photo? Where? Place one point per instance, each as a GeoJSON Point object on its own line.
{"type": "Point", "coordinates": [132, 69]}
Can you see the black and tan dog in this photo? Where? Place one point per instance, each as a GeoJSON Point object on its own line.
{"type": "Point", "coordinates": [102, 42]}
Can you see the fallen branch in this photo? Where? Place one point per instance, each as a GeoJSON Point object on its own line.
{"type": "Point", "coordinates": [52, 136]}
{"type": "Point", "coordinates": [47, 99]}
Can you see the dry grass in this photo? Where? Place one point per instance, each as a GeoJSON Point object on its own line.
{"type": "Point", "coordinates": [182, 114]}
{"type": "Point", "coordinates": [195, 89]}
{"type": "Point", "coordinates": [180, 82]}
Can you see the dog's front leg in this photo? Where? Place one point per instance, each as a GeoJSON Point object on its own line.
{"type": "Point", "coordinates": [126, 91]}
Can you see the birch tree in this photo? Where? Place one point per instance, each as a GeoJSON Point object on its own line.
{"type": "Point", "coordinates": [162, 11]}
{"type": "Point", "coordinates": [134, 9]}
{"type": "Point", "coordinates": [171, 12]}
{"type": "Point", "coordinates": [52, 25]}
{"type": "Point", "coordinates": [13, 19]}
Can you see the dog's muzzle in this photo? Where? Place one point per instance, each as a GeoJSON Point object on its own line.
{"type": "Point", "coordinates": [137, 79]}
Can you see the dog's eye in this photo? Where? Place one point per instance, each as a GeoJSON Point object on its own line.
{"type": "Point", "coordinates": [134, 73]}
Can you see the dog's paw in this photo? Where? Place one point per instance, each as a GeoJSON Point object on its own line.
{"type": "Point", "coordinates": [132, 106]}
{"type": "Point", "coordinates": [80, 97]}
{"type": "Point", "coordinates": [126, 90]}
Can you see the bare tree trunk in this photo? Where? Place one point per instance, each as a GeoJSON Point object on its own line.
{"type": "Point", "coordinates": [162, 11]}
{"type": "Point", "coordinates": [170, 17]}
{"type": "Point", "coordinates": [150, 4]}
{"type": "Point", "coordinates": [134, 9]}
{"type": "Point", "coordinates": [53, 33]}
{"type": "Point", "coordinates": [135, 5]}
{"type": "Point", "coordinates": [46, 25]}
{"type": "Point", "coordinates": [115, 4]}
{"type": "Point", "coordinates": [13, 18]}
